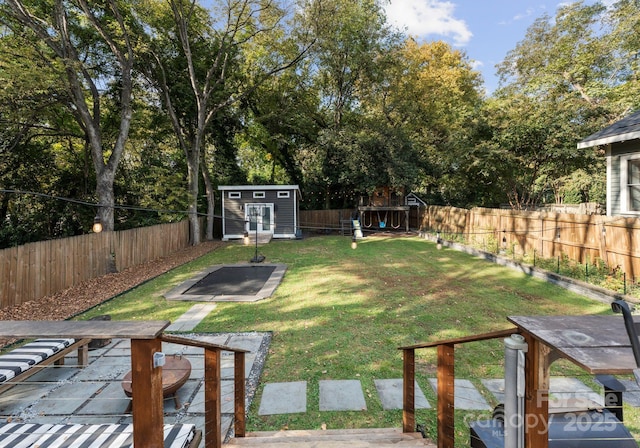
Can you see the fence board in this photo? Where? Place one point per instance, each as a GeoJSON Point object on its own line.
{"type": "Point", "coordinates": [43, 268]}
{"type": "Point", "coordinates": [583, 238]}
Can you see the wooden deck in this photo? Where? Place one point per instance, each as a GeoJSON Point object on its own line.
{"type": "Point", "coordinates": [352, 438]}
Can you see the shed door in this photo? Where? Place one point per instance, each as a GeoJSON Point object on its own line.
{"type": "Point", "coordinates": [260, 217]}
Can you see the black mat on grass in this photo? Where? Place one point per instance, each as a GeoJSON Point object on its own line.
{"type": "Point", "coordinates": [232, 280]}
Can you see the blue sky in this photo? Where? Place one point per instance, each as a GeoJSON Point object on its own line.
{"type": "Point", "coordinates": [485, 29]}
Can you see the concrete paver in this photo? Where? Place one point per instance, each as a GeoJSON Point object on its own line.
{"type": "Point", "coordinates": [561, 389]}
{"type": "Point", "coordinates": [189, 320]}
{"type": "Point", "coordinates": [390, 393]}
{"type": "Point", "coordinates": [341, 395]}
{"type": "Point", "coordinates": [284, 398]}
{"type": "Point", "coordinates": [466, 395]}
{"type": "Point", "coordinates": [632, 393]}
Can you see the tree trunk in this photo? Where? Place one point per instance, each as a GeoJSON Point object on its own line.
{"type": "Point", "coordinates": [106, 199]}
{"type": "Point", "coordinates": [211, 200]}
{"type": "Point", "coordinates": [193, 167]}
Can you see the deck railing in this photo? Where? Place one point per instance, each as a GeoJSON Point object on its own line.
{"type": "Point", "coordinates": [213, 388]}
{"type": "Point", "coordinates": [445, 378]}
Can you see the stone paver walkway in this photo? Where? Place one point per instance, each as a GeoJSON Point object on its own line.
{"type": "Point", "coordinates": [347, 395]}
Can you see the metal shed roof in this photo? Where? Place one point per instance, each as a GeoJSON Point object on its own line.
{"type": "Point", "coordinates": [626, 129]}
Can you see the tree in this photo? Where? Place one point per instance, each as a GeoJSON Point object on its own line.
{"type": "Point", "coordinates": [559, 84]}
{"type": "Point", "coordinates": [195, 69]}
{"type": "Point", "coordinates": [431, 92]}
{"type": "Point", "coordinates": [94, 45]}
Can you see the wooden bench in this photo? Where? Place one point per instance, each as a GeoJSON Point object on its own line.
{"type": "Point", "coordinates": [22, 362]}
{"type": "Point", "coordinates": [35, 435]}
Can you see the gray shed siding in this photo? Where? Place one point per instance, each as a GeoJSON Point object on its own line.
{"type": "Point", "coordinates": [614, 152]}
{"type": "Point", "coordinates": [285, 214]}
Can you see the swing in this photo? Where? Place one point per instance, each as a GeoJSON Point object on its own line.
{"type": "Point", "coordinates": [364, 220]}
{"type": "Point", "coordinates": [396, 226]}
{"type": "Point", "coordinates": [382, 224]}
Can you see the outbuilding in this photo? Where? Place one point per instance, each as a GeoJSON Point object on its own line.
{"type": "Point", "coordinates": [269, 210]}
{"type": "Point", "coordinates": [621, 142]}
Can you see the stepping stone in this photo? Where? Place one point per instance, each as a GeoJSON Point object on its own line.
{"type": "Point", "coordinates": [466, 395]}
{"type": "Point", "coordinates": [189, 320]}
{"type": "Point", "coordinates": [284, 398]}
{"type": "Point", "coordinates": [496, 387]}
{"type": "Point", "coordinates": [341, 395]}
{"type": "Point", "coordinates": [560, 389]}
{"type": "Point", "coordinates": [632, 395]}
{"type": "Point", "coordinates": [390, 393]}
{"type": "Point", "coordinates": [565, 388]}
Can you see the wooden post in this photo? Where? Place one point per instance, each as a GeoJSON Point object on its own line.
{"type": "Point", "coordinates": [146, 387]}
{"type": "Point", "coordinates": [212, 398]}
{"type": "Point", "coordinates": [602, 240]}
{"type": "Point", "coordinates": [408, 390]}
{"type": "Point", "coordinates": [536, 404]}
{"type": "Point", "coordinates": [239, 394]}
{"type": "Point", "coordinates": [446, 391]}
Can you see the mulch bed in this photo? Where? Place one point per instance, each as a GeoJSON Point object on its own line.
{"type": "Point", "coordinates": [83, 296]}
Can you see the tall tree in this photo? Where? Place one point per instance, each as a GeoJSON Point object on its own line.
{"type": "Point", "coordinates": [432, 93]}
{"type": "Point", "coordinates": [94, 44]}
{"type": "Point", "coordinates": [558, 85]}
{"type": "Point", "coordinates": [205, 50]}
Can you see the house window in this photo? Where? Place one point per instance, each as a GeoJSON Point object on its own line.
{"type": "Point", "coordinates": [258, 195]}
{"type": "Point", "coordinates": [633, 184]}
{"type": "Point", "coordinates": [234, 195]}
{"type": "Point", "coordinates": [630, 184]}
{"type": "Point", "coordinates": [283, 194]}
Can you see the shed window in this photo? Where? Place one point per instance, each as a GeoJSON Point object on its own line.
{"type": "Point", "coordinates": [630, 184]}
{"type": "Point", "coordinates": [283, 194]}
{"type": "Point", "coordinates": [234, 195]}
{"type": "Point", "coordinates": [258, 195]}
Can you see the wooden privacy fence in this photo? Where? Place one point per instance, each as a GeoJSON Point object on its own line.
{"type": "Point", "coordinates": [35, 270]}
{"type": "Point", "coordinates": [323, 220]}
{"type": "Point", "coordinates": [582, 238]}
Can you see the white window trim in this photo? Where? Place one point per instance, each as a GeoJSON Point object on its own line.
{"type": "Point", "coordinates": [235, 195]}
{"type": "Point", "coordinates": [624, 184]}
{"type": "Point", "coordinates": [284, 194]}
{"type": "Point", "coordinates": [259, 195]}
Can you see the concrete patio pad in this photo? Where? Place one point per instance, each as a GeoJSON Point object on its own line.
{"type": "Point", "coordinates": [94, 394]}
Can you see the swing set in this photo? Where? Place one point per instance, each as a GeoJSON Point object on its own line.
{"type": "Point", "coordinates": [394, 221]}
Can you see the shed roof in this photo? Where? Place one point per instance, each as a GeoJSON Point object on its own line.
{"type": "Point", "coordinates": [258, 187]}
{"type": "Point", "coordinates": [626, 129]}
{"type": "Point", "coordinates": [296, 188]}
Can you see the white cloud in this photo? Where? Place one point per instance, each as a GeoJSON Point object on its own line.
{"type": "Point", "coordinates": [476, 65]}
{"type": "Point", "coordinates": [528, 13]}
{"type": "Point", "coordinates": [423, 18]}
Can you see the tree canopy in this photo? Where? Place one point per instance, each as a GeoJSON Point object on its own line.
{"type": "Point", "coordinates": [137, 109]}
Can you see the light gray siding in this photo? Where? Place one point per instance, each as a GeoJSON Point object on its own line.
{"type": "Point", "coordinates": [614, 207]}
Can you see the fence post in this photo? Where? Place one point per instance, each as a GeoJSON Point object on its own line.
{"type": "Point", "coordinates": [602, 240]}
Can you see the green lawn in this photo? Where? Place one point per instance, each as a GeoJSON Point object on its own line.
{"type": "Point", "coordinates": [342, 313]}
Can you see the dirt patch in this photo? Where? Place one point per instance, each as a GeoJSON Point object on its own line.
{"type": "Point", "coordinates": [76, 299]}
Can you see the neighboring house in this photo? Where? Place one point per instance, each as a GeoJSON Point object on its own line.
{"type": "Point", "coordinates": [267, 209]}
{"type": "Point", "coordinates": [621, 142]}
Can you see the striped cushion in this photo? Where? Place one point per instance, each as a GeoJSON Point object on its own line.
{"type": "Point", "coordinates": [22, 358]}
{"type": "Point", "coordinates": [31, 435]}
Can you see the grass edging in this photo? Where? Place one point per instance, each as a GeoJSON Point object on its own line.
{"type": "Point", "coordinates": [571, 284]}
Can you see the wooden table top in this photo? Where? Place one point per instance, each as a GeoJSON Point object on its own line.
{"type": "Point", "coordinates": [94, 329]}
{"type": "Point", "coordinates": [599, 344]}
{"type": "Point", "coordinates": [175, 373]}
